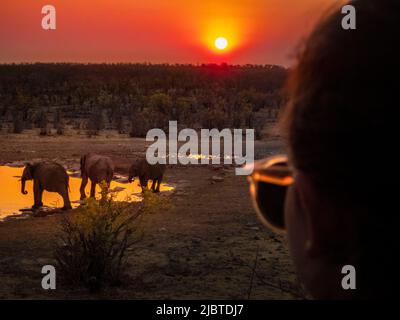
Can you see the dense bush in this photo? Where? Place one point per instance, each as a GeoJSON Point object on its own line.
{"type": "Point", "coordinates": [92, 247]}
{"type": "Point", "coordinates": [134, 98]}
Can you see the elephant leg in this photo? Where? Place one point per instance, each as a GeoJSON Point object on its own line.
{"type": "Point", "coordinates": [158, 185]}
{"type": "Point", "coordinates": [67, 202]}
{"type": "Point", "coordinates": [143, 184]}
{"type": "Point", "coordinates": [40, 196]}
{"type": "Point", "coordinates": [93, 190]}
{"type": "Point", "coordinates": [37, 195]}
{"type": "Point", "coordinates": [153, 185]}
{"type": "Point", "coordinates": [83, 186]}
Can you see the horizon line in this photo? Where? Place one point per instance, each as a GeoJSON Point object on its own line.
{"type": "Point", "coordinates": [198, 64]}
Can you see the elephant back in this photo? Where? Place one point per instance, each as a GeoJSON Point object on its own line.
{"type": "Point", "coordinates": [52, 176]}
{"type": "Point", "coordinates": [98, 168]}
{"type": "Point", "coordinates": [151, 171]}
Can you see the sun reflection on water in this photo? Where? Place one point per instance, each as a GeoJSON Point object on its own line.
{"type": "Point", "coordinates": [11, 199]}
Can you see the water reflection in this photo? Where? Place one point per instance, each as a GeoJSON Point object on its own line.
{"type": "Point", "coordinates": [11, 199]}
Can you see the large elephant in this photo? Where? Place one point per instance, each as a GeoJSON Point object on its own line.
{"type": "Point", "coordinates": [49, 176]}
{"type": "Point", "coordinates": [146, 172]}
{"type": "Point", "coordinates": [97, 168]}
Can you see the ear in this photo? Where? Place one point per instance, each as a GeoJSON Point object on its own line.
{"type": "Point", "coordinates": [319, 215]}
{"type": "Point", "coordinates": [28, 167]}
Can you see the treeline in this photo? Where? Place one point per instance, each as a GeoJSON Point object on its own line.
{"type": "Point", "coordinates": [132, 98]}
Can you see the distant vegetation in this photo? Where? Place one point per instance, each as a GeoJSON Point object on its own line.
{"type": "Point", "coordinates": [133, 98]}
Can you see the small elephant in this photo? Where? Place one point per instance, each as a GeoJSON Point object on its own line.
{"type": "Point", "coordinates": [49, 176]}
{"type": "Point", "coordinates": [146, 172]}
{"type": "Point", "coordinates": [97, 168]}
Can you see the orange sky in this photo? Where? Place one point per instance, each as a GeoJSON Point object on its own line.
{"type": "Point", "coordinates": [157, 31]}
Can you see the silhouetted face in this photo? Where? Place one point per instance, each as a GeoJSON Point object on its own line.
{"type": "Point", "coordinates": [27, 173]}
{"type": "Point", "coordinates": [296, 231]}
{"type": "Point", "coordinates": [310, 221]}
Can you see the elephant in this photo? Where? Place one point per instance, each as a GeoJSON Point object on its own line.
{"type": "Point", "coordinates": [97, 168]}
{"type": "Point", "coordinates": [146, 172]}
{"type": "Point", "coordinates": [49, 176]}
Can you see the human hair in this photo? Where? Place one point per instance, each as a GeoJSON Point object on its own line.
{"type": "Point", "coordinates": [341, 123]}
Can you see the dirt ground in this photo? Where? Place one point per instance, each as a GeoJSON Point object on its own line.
{"type": "Point", "coordinates": [209, 245]}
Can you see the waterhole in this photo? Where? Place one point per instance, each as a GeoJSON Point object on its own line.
{"type": "Point", "coordinates": [12, 201]}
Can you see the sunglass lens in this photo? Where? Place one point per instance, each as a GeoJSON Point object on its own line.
{"type": "Point", "coordinates": [271, 201]}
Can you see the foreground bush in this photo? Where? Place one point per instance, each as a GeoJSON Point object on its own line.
{"type": "Point", "coordinates": [92, 248]}
{"type": "Point", "coordinates": [154, 203]}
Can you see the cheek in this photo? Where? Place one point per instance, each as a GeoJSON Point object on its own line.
{"type": "Point", "coordinates": [294, 223]}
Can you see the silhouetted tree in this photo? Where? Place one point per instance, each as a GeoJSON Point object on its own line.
{"type": "Point", "coordinates": [18, 124]}
{"type": "Point", "coordinates": [208, 95]}
{"type": "Point", "coordinates": [95, 123]}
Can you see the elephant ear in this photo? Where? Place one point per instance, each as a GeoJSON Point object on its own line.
{"type": "Point", "coordinates": [29, 168]}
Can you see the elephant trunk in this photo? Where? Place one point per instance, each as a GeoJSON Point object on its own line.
{"type": "Point", "coordinates": [131, 177]}
{"type": "Point", "coordinates": [23, 191]}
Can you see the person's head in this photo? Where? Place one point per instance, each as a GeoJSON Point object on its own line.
{"type": "Point", "coordinates": [340, 125]}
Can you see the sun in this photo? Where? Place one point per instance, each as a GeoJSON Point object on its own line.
{"type": "Point", "coordinates": [221, 43]}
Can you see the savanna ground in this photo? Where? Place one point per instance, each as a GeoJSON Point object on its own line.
{"type": "Point", "coordinates": [209, 245]}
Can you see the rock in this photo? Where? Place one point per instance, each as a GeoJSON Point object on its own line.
{"type": "Point", "coordinates": [217, 179]}
{"type": "Point", "coordinates": [75, 168]}
{"type": "Point", "coordinates": [196, 240]}
{"type": "Point", "coordinates": [251, 224]}
{"type": "Point", "coordinates": [117, 189]}
{"type": "Point", "coordinates": [16, 217]}
{"type": "Point", "coordinates": [45, 212]}
{"type": "Point", "coordinates": [79, 201]}
{"type": "Point", "coordinates": [180, 193]}
{"type": "Point", "coordinates": [75, 174]}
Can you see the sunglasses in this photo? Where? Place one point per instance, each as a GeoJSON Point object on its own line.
{"type": "Point", "coordinates": [269, 182]}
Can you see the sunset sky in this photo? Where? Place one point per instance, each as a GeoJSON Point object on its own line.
{"type": "Point", "coordinates": [157, 31]}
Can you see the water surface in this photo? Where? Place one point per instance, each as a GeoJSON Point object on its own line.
{"type": "Point", "coordinates": [12, 200]}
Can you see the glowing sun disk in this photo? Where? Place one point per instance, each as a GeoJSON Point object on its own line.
{"type": "Point", "coordinates": [221, 43]}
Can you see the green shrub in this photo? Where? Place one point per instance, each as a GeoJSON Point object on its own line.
{"type": "Point", "coordinates": [154, 203]}
{"type": "Point", "coordinates": [92, 247]}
